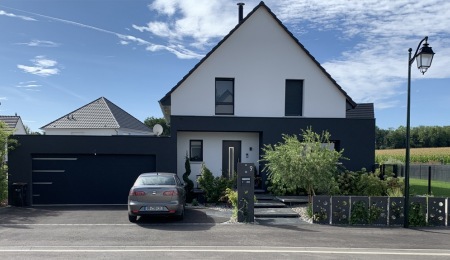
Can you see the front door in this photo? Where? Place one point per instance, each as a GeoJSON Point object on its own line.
{"type": "Point", "coordinates": [231, 156]}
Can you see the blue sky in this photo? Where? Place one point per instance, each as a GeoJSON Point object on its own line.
{"type": "Point", "coordinates": [58, 55]}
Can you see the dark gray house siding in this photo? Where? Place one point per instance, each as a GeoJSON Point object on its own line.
{"type": "Point", "coordinates": [86, 169]}
{"type": "Point", "coordinates": [355, 136]}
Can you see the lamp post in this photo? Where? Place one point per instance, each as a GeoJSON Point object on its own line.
{"type": "Point", "coordinates": [423, 59]}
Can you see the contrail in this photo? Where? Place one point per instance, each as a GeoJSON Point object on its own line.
{"type": "Point", "coordinates": [182, 54]}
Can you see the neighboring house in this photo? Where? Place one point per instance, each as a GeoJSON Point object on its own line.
{"type": "Point", "coordinates": [15, 123]}
{"type": "Point", "coordinates": [100, 117]}
{"type": "Point", "coordinates": [256, 84]}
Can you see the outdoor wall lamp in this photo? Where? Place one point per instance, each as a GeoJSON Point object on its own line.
{"type": "Point", "coordinates": [423, 59]}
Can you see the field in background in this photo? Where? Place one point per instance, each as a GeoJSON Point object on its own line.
{"type": "Point", "coordinates": [439, 155]}
{"type": "Point", "coordinates": [438, 188]}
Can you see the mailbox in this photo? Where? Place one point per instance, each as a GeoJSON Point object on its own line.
{"type": "Point", "coordinates": [246, 192]}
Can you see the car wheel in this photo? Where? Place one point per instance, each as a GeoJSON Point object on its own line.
{"type": "Point", "coordinates": [132, 219]}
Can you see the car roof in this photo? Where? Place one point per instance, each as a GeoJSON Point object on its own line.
{"type": "Point", "coordinates": [158, 173]}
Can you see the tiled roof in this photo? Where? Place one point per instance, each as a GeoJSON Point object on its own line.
{"type": "Point", "coordinates": [166, 100]}
{"type": "Point", "coordinates": [361, 111]}
{"type": "Point", "coordinates": [99, 114]}
{"type": "Point", "coordinates": [11, 121]}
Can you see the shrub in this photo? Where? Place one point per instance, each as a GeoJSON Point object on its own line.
{"type": "Point", "coordinates": [347, 182]}
{"type": "Point", "coordinates": [233, 199]}
{"type": "Point", "coordinates": [214, 187]}
{"type": "Point", "coordinates": [370, 184]}
{"type": "Point", "coordinates": [188, 182]}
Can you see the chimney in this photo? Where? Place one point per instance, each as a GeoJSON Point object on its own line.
{"type": "Point", "coordinates": [241, 11]}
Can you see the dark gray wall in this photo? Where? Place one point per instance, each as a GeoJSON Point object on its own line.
{"type": "Point", "coordinates": [20, 159]}
{"type": "Point", "coordinates": [356, 136]}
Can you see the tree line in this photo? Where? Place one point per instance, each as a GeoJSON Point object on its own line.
{"type": "Point", "coordinates": [421, 137]}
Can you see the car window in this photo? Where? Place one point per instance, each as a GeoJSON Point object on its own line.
{"type": "Point", "coordinates": [155, 180]}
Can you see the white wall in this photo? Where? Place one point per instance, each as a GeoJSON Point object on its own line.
{"type": "Point", "coordinates": [260, 56]}
{"type": "Point", "coordinates": [20, 128]}
{"type": "Point", "coordinates": [212, 150]}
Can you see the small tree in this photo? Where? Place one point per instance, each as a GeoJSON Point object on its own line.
{"type": "Point", "coordinates": [188, 182]}
{"type": "Point", "coordinates": [152, 121]}
{"type": "Point", "coordinates": [6, 143]}
{"type": "Point", "coordinates": [309, 164]}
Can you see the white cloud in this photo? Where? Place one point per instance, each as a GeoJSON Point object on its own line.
{"type": "Point", "coordinates": [39, 43]}
{"type": "Point", "coordinates": [195, 23]}
{"type": "Point", "coordinates": [373, 69]}
{"type": "Point", "coordinates": [29, 85]}
{"type": "Point", "coordinates": [41, 67]}
{"type": "Point", "coordinates": [26, 18]}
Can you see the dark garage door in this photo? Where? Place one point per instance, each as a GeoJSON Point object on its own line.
{"type": "Point", "coordinates": [86, 179]}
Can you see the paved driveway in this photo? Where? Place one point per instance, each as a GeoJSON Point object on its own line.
{"type": "Point", "coordinates": [100, 215]}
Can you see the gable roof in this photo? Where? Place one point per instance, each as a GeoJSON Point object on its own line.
{"type": "Point", "coordinates": [10, 121]}
{"type": "Point", "coordinates": [99, 114]}
{"type": "Point", "coordinates": [166, 101]}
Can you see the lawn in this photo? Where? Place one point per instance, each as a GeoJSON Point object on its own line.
{"type": "Point", "coordinates": [438, 188]}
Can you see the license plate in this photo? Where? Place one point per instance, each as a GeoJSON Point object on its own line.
{"type": "Point", "coordinates": [154, 208]}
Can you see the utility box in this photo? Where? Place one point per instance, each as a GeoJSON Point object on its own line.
{"type": "Point", "coordinates": [246, 192]}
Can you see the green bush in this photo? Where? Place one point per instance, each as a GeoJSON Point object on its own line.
{"type": "Point", "coordinates": [347, 182]}
{"type": "Point", "coordinates": [370, 184]}
{"type": "Point", "coordinates": [232, 196]}
{"type": "Point", "coordinates": [359, 214]}
{"type": "Point", "coordinates": [214, 187]}
{"type": "Point", "coordinates": [417, 215]}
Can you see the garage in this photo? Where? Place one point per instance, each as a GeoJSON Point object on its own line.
{"type": "Point", "coordinates": [86, 178]}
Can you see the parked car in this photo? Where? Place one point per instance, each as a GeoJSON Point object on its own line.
{"type": "Point", "coordinates": [156, 193]}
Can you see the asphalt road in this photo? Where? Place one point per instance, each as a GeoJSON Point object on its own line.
{"type": "Point", "coordinates": [105, 233]}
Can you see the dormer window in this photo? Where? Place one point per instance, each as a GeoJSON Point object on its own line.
{"type": "Point", "coordinates": [224, 96]}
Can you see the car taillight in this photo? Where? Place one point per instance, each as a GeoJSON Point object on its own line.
{"type": "Point", "coordinates": [137, 193]}
{"type": "Point", "coordinates": [170, 193]}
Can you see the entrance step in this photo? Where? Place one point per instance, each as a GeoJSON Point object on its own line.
{"type": "Point", "coordinates": [275, 213]}
{"type": "Point", "coordinates": [269, 204]}
{"type": "Point", "coordinates": [290, 200]}
{"type": "Point", "coordinates": [260, 197]}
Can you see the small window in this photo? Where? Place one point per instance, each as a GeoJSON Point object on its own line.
{"type": "Point", "coordinates": [196, 150]}
{"type": "Point", "coordinates": [294, 98]}
{"type": "Point", "coordinates": [224, 96]}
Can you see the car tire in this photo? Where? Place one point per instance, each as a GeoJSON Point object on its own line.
{"type": "Point", "coordinates": [132, 219]}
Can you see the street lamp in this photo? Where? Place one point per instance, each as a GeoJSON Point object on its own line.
{"type": "Point", "coordinates": [423, 59]}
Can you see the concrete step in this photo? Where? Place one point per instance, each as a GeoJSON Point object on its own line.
{"type": "Point", "coordinates": [289, 200]}
{"type": "Point", "coordinates": [264, 196]}
{"type": "Point", "coordinates": [269, 204]}
{"type": "Point", "coordinates": [275, 213]}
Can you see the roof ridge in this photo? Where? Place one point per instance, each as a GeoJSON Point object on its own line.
{"type": "Point", "coordinates": [108, 103]}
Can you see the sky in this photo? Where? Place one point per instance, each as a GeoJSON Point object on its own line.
{"type": "Point", "coordinates": [59, 55]}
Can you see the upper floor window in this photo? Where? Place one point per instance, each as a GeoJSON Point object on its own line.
{"type": "Point", "coordinates": [294, 98]}
{"type": "Point", "coordinates": [224, 96]}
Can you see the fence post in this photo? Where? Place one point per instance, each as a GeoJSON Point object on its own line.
{"type": "Point", "coordinates": [429, 180]}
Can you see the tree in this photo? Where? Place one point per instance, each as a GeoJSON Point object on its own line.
{"type": "Point", "coordinates": [309, 164]}
{"type": "Point", "coordinates": [188, 182]}
{"type": "Point", "coordinates": [151, 121]}
{"type": "Point", "coordinates": [6, 143]}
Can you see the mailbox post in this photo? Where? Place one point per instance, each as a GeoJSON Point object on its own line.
{"type": "Point", "coordinates": [246, 191]}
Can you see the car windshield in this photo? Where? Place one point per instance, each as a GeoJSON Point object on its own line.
{"type": "Point", "coordinates": [155, 180]}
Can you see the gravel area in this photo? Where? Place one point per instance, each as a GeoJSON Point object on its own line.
{"type": "Point", "coordinates": [302, 211]}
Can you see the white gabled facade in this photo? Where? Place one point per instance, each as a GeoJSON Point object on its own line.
{"type": "Point", "coordinates": [260, 64]}
{"type": "Point", "coordinates": [260, 55]}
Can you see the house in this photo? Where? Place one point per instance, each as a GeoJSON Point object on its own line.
{"type": "Point", "coordinates": [100, 117]}
{"type": "Point", "coordinates": [256, 84]}
{"type": "Point", "coordinates": [15, 123]}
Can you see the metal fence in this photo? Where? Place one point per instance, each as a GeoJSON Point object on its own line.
{"type": "Point", "coordinates": [422, 171]}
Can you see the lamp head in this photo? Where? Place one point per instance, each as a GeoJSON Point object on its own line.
{"type": "Point", "coordinates": [424, 57]}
